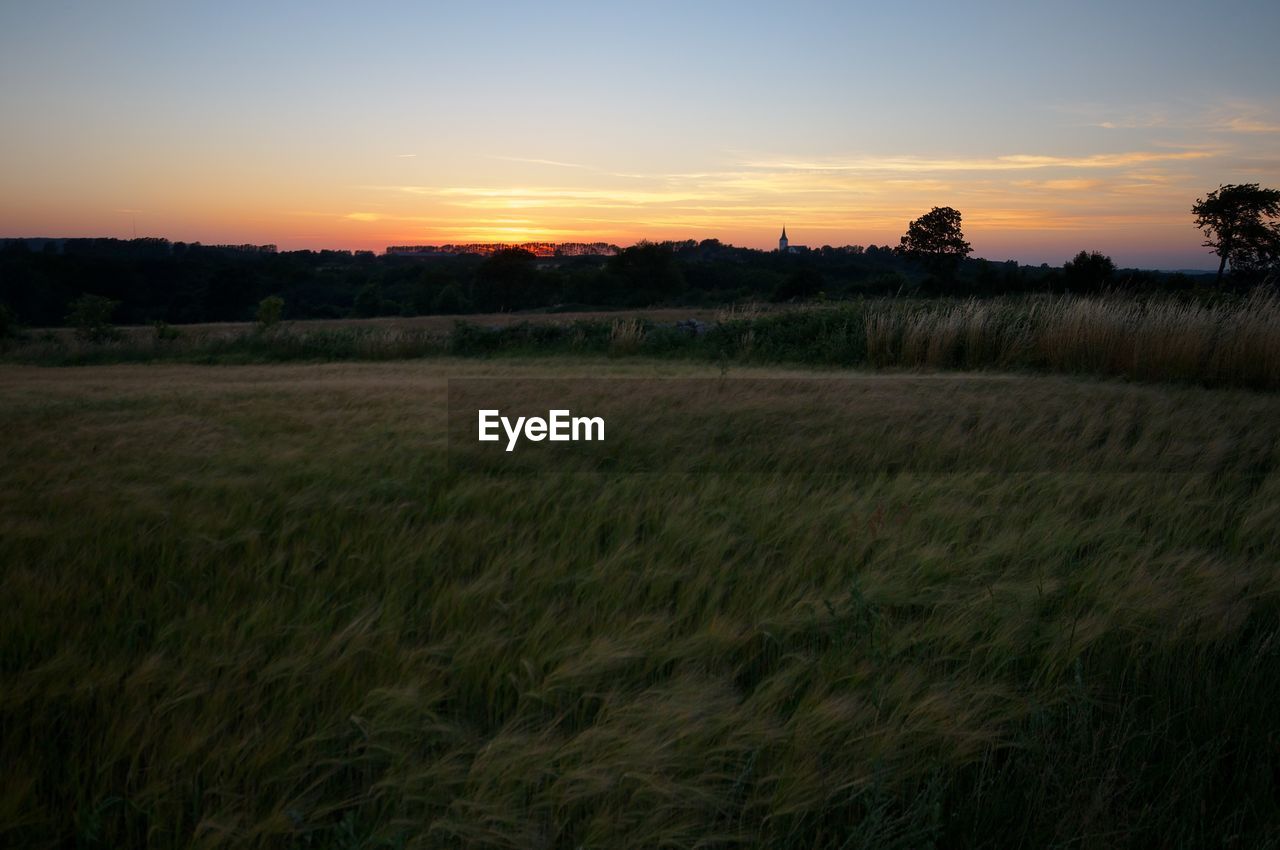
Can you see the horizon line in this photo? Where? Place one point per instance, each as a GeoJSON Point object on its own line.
{"type": "Point", "coordinates": [386, 250]}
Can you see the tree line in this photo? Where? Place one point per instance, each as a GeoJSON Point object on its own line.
{"type": "Point", "coordinates": [136, 282]}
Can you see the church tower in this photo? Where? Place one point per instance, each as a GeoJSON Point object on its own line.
{"type": "Point", "coordinates": [782, 241]}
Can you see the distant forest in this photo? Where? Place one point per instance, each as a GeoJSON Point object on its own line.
{"type": "Point", "coordinates": [154, 280]}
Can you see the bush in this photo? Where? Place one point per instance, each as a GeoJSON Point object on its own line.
{"type": "Point", "coordinates": [165, 332]}
{"type": "Point", "coordinates": [91, 317]}
{"type": "Point", "coordinates": [270, 309]}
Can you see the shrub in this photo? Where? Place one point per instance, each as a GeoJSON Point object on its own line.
{"type": "Point", "coordinates": [270, 310]}
{"type": "Point", "coordinates": [91, 317]}
{"type": "Point", "coordinates": [165, 332]}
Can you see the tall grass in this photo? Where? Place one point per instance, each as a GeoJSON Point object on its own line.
{"type": "Point", "coordinates": [626, 336]}
{"type": "Point", "coordinates": [256, 607]}
{"type": "Point", "coordinates": [1228, 344]}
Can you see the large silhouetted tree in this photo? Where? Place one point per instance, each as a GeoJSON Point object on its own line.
{"type": "Point", "coordinates": [936, 239]}
{"type": "Point", "coordinates": [1088, 271]}
{"type": "Point", "coordinates": [1239, 224]}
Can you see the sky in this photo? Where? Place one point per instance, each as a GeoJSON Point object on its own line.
{"type": "Point", "coordinates": [1053, 128]}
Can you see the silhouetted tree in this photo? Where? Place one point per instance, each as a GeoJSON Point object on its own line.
{"type": "Point", "coordinates": [801, 284]}
{"type": "Point", "coordinates": [368, 301]}
{"type": "Point", "coordinates": [449, 301]}
{"type": "Point", "coordinates": [1088, 270]}
{"type": "Point", "coordinates": [1239, 223]}
{"type": "Point", "coordinates": [646, 272]}
{"type": "Point", "coordinates": [270, 310]}
{"type": "Point", "coordinates": [507, 280]}
{"type": "Point", "coordinates": [986, 280]}
{"type": "Point", "coordinates": [936, 239]}
{"type": "Point", "coordinates": [423, 291]}
{"type": "Point", "coordinates": [91, 317]}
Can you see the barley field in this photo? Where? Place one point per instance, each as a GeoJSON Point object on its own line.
{"type": "Point", "coordinates": [266, 606]}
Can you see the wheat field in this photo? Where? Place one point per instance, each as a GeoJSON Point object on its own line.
{"type": "Point", "coordinates": [258, 606]}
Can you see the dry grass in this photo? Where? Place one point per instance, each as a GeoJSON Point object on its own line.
{"type": "Point", "coordinates": [435, 325]}
{"type": "Point", "coordinates": [1229, 344]}
{"type": "Point", "coordinates": [255, 607]}
{"type": "Point", "coordinates": [626, 336]}
{"type": "Point", "coordinates": [749, 311]}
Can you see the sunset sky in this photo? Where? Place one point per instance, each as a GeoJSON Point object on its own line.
{"type": "Point", "coordinates": [1052, 127]}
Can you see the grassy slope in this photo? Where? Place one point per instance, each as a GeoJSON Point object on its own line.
{"type": "Point", "coordinates": [251, 606]}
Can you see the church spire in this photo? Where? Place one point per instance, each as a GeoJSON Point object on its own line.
{"type": "Point", "coordinates": [782, 241]}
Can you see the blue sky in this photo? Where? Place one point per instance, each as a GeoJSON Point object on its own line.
{"type": "Point", "coordinates": [1052, 128]}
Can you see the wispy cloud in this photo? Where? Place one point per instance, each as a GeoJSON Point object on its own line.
{"type": "Point", "coordinates": [544, 196]}
{"type": "Point", "coordinates": [1011, 162]}
{"type": "Point", "coordinates": [1131, 124]}
{"type": "Point", "coordinates": [1242, 124]}
{"type": "Point", "coordinates": [1227, 116]}
{"type": "Point", "coordinates": [835, 198]}
{"type": "Point", "coordinates": [552, 162]}
{"type": "Point", "coordinates": [1064, 185]}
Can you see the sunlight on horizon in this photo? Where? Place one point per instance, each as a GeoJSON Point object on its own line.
{"type": "Point", "coordinates": [570, 124]}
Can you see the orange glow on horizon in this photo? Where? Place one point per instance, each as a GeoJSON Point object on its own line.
{"type": "Point", "coordinates": [1021, 206]}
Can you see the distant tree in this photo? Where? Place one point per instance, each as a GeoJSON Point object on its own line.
{"type": "Point", "coordinates": [987, 280]}
{"type": "Point", "coordinates": [8, 323]}
{"type": "Point", "coordinates": [646, 272]}
{"type": "Point", "coordinates": [423, 291]}
{"type": "Point", "coordinates": [1239, 224]}
{"type": "Point", "coordinates": [507, 280]}
{"type": "Point", "coordinates": [270, 309]}
{"type": "Point", "coordinates": [449, 301]}
{"type": "Point", "coordinates": [91, 317]}
{"type": "Point", "coordinates": [368, 301]}
{"type": "Point", "coordinates": [1088, 270]}
{"type": "Point", "coordinates": [936, 239]}
{"type": "Point", "coordinates": [803, 283]}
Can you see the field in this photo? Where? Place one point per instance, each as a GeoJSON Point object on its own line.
{"type": "Point", "coordinates": [264, 605]}
{"type": "Point", "coordinates": [1232, 343]}
{"type": "Point", "coordinates": [440, 325]}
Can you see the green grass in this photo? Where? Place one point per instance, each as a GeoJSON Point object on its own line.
{"type": "Point", "coordinates": [256, 606]}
